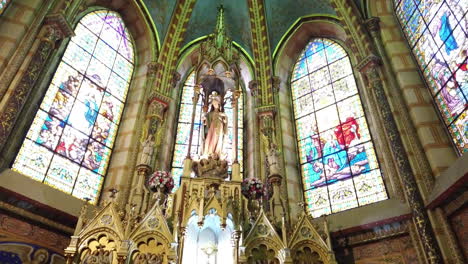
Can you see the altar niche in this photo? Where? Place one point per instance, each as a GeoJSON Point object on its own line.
{"type": "Point", "coordinates": [208, 242]}
{"type": "Point", "coordinates": [213, 148]}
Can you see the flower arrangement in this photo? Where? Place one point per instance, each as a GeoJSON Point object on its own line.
{"type": "Point", "coordinates": [252, 188]}
{"type": "Point", "coordinates": [161, 181]}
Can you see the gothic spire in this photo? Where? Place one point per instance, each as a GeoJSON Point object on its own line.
{"type": "Point", "coordinates": [220, 30]}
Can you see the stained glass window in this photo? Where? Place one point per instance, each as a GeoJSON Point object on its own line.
{"type": "Point", "coordinates": [338, 162]}
{"type": "Point", "coordinates": [3, 5]}
{"type": "Point", "coordinates": [183, 130]}
{"type": "Point", "coordinates": [437, 32]}
{"type": "Point", "coordinates": [70, 141]}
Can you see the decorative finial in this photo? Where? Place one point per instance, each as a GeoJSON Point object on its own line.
{"type": "Point", "coordinates": [220, 30]}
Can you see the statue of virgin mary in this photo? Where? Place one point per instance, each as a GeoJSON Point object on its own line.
{"type": "Point", "coordinates": [215, 127]}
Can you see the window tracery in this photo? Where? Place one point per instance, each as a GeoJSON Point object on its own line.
{"type": "Point", "coordinates": [337, 158]}
{"type": "Point", "coordinates": [69, 144]}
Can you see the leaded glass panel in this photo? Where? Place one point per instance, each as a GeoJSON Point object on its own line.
{"type": "Point", "coordinates": [69, 144]}
{"type": "Point", "coordinates": [3, 5]}
{"type": "Point", "coordinates": [338, 162]}
{"type": "Point", "coordinates": [437, 32]}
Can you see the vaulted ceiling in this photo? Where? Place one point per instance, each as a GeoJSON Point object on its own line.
{"type": "Point", "coordinates": [280, 16]}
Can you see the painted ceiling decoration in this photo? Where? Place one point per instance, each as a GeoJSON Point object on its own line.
{"type": "Point", "coordinates": [236, 16]}
{"type": "Point", "coordinates": [161, 12]}
{"type": "Point", "coordinates": [280, 16]}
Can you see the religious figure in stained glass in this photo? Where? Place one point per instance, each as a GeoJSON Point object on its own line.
{"type": "Point", "coordinates": [437, 32]}
{"type": "Point", "coordinates": [69, 143]}
{"type": "Point", "coordinates": [338, 162]}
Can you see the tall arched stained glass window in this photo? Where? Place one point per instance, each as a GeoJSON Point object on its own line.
{"type": "Point", "coordinates": [437, 32]}
{"type": "Point", "coordinates": [183, 130]}
{"type": "Point", "coordinates": [3, 5]}
{"type": "Point", "coordinates": [338, 162]}
{"type": "Point", "coordinates": [70, 141]}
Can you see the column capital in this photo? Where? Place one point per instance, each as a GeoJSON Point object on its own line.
{"type": "Point", "coordinates": [275, 84]}
{"type": "Point", "coordinates": [60, 25]}
{"type": "Point", "coordinates": [265, 111]}
{"type": "Point", "coordinates": [369, 63]}
{"type": "Point", "coordinates": [157, 98]}
{"type": "Point", "coordinates": [153, 68]}
{"type": "Point", "coordinates": [254, 88]}
{"type": "Point", "coordinates": [373, 25]}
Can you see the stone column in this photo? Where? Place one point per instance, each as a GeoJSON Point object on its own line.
{"type": "Point", "coordinates": [55, 28]}
{"type": "Point", "coordinates": [423, 166]}
{"type": "Point", "coordinates": [153, 126]}
{"type": "Point", "coordinates": [371, 70]}
{"type": "Point", "coordinates": [188, 159]}
{"type": "Point", "coordinates": [235, 164]}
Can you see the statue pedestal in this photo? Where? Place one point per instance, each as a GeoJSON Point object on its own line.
{"type": "Point", "coordinates": [212, 167]}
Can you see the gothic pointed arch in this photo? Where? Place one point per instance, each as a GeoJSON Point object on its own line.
{"type": "Point", "coordinates": [436, 32]}
{"type": "Point", "coordinates": [338, 163]}
{"type": "Point", "coordinates": [70, 141]}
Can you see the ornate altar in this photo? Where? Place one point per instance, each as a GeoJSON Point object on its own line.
{"type": "Point", "coordinates": [215, 216]}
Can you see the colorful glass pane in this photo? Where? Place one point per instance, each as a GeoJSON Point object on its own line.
{"type": "Point", "coordinates": [70, 141]}
{"type": "Point", "coordinates": [437, 32]}
{"type": "Point", "coordinates": [338, 162]}
{"type": "Point", "coordinates": [3, 5]}
{"type": "Point", "coordinates": [182, 140]}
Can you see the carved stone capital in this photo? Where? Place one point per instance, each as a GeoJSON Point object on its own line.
{"type": "Point", "coordinates": [266, 119]}
{"type": "Point", "coordinates": [373, 25]}
{"type": "Point", "coordinates": [157, 109]}
{"type": "Point", "coordinates": [157, 105]}
{"type": "Point", "coordinates": [369, 63]}
{"type": "Point", "coordinates": [254, 88]}
{"type": "Point", "coordinates": [153, 68]}
{"type": "Point", "coordinates": [61, 26]}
